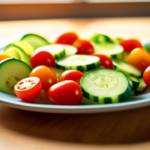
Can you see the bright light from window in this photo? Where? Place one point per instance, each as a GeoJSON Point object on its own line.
{"type": "Point", "coordinates": [36, 1]}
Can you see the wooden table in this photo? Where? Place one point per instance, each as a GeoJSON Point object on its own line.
{"type": "Point", "coordinates": [24, 130]}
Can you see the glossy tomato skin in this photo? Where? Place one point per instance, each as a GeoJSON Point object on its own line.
{"type": "Point", "coordinates": [74, 75]}
{"type": "Point", "coordinates": [139, 58]}
{"type": "Point", "coordinates": [146, 76]}
{"type": "Point", "coordinates": [106, 62]}
{"type": "Point", "coordinates": [83, 47]}
{"type": "Point", "coordinates": [67, 38]}
{"type": "Point", "coordinates": [29, 94]}
{"type": "Point", "coordinates": [70, 93]}
{"type": "Point", "coordinates": [46, 75]}
{"type": "Point", "coordinates": [130, 44]}
{"type": "Point", "coordinates": [42, 58]}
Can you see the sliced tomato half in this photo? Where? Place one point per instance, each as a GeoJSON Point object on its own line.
{"type": "Point", "coordinates": [28, 89]}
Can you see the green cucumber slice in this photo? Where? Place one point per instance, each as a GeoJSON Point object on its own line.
{"type": "Point", "coordinates": [112, 50]}
{"type": "Point", "coordinates": [23, 56]}
{"type": "Point", "coordinates": [28, 49]}
{"type": "Point", "coordinates": [135, 81]}
{"type": "Point", "coordinates": [57, 50]}
{"type": "Point", "coordinates": [11, 71]}
{"type": "Point", "coordinates": [12, 53]}
{"type": "Point", "coordinates": [105, 86]}
{"type": "Point", "coordinates": [132, 93]}
{"type": "Point", "coordinates": [86, 101]}
{"type": "Point", "coordinates": [100, 38]}
{"type": "Point", "coordinates": [142, 86]}
{"type": "Point", "coordinates": [78, 62]}
{"type": "Point", "coordinates": [70, 50]}
{"type": "Point", "coordinates": [128, 69]}
{"type": "Point", "coordinates": [137, 85]}
{"type": "Point", "coordinates": [35, 40]}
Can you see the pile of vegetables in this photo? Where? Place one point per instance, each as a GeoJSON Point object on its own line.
{"type": "Point", "coordinates": [73, 71]}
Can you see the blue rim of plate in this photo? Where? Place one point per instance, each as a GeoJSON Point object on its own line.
{"type": "Point", "coordinates": [133, 102]}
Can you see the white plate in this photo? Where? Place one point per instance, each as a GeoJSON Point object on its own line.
{"type": "Point", "coordinates": [134, 102]}
{"type": "Point", "coordinates": [15, 102]}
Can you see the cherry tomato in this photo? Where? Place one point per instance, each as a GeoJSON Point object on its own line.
{"type": "Point", "coordinates": [130, 44]}
{"type": "Point", "coordinates": [28, 89]}
{"type": "Point", "coordinates": [67, 38]}
{"type": "Point", "coordinates": [84, 47]}
{"type": "Point", "coordinates": [139, 58]}
{"type": "Point", "coordinates": [74, 75]}
{"type": "Point", "coordinates": [146, 76]}
{"type": "Point", "coordinates": [42, 58]}
{"type": "Point", "coordinates": [3, 56]}
{"type": "Point", "coordinates": [46, 75]}
{"type": "Point", "coordinates": [106, 62]}
{"type": "Point", "coordinates": [65, 93]}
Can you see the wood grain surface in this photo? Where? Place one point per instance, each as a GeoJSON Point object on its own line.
{"type": "Point", "coordinates": [25, 130]}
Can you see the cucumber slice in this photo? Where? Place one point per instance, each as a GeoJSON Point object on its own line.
{"type": "Point", "coordinates": [57, 50]}
{"type": "Point", "coordinates": [78, 62]}
{"type": "Point", "coordinates": [23, 56]}
{"type": "Point", "coordinates": [111, 50]}
{"type": "Point", "coordinates": [128, 69]}
{"type": "Point", "coordinates": [137, 85]}
{"type": "Point", "coordinates": [100, 38]}
{"type": "Point", "coordinates": [86, 101]}
{"type": "Point", "coordinates": [132, 93]}
{"type": "Point", "coordinates": [105, 86]}
{"type": "Point", "coordinates": [135, 81]}
{"type": "Point", "coordinates": [11, 71]}
{"type": "Point", "coordinates": [12, 53]}
{"type": "Point", "coordinates": [28, 49]}
{"type": "Point", "coordinates": [35, 40]}
{"type": "Point", "coordinates": [70, 50]}
{"type": "Point", "coordinates": [142, 86]}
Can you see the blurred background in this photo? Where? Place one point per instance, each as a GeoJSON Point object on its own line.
{"type": "Point", "coordinates": [45, 9]}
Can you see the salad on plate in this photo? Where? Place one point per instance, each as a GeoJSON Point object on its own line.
{"type": "Point", "coordinates": [98, 70]}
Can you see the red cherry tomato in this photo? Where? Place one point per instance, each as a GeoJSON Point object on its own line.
{"type": "Point", "coordinates": [139, 58]}
{"type": "Point", "coordinates": [46, 75]}
{"type": "Point", "coordinates": [67, 38]}
{"type": "Point", "coordinates": [106, 62]}
{"type": "Point", "coordinates": [65, 93]}
{"type": "Point", "coordinates": [74, 75]}
{"type": "Point", "coordinates": [28, 89]}
{"type": "Point", "coordinates": [42, 58]}
{"type": "Point", "coordinates": [146, 76]}
{"type": "Point", "coordinates": [130, 44]}
{"type": "Point", "coordinates": [84, 47]}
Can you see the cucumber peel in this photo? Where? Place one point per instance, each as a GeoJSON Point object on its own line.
{"type": "Point", "coordinates": [11, 71]}
{"type": "Point", "coordinates": [105, 86]}
{"type": "Point", "coordinates": [35, 40]}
